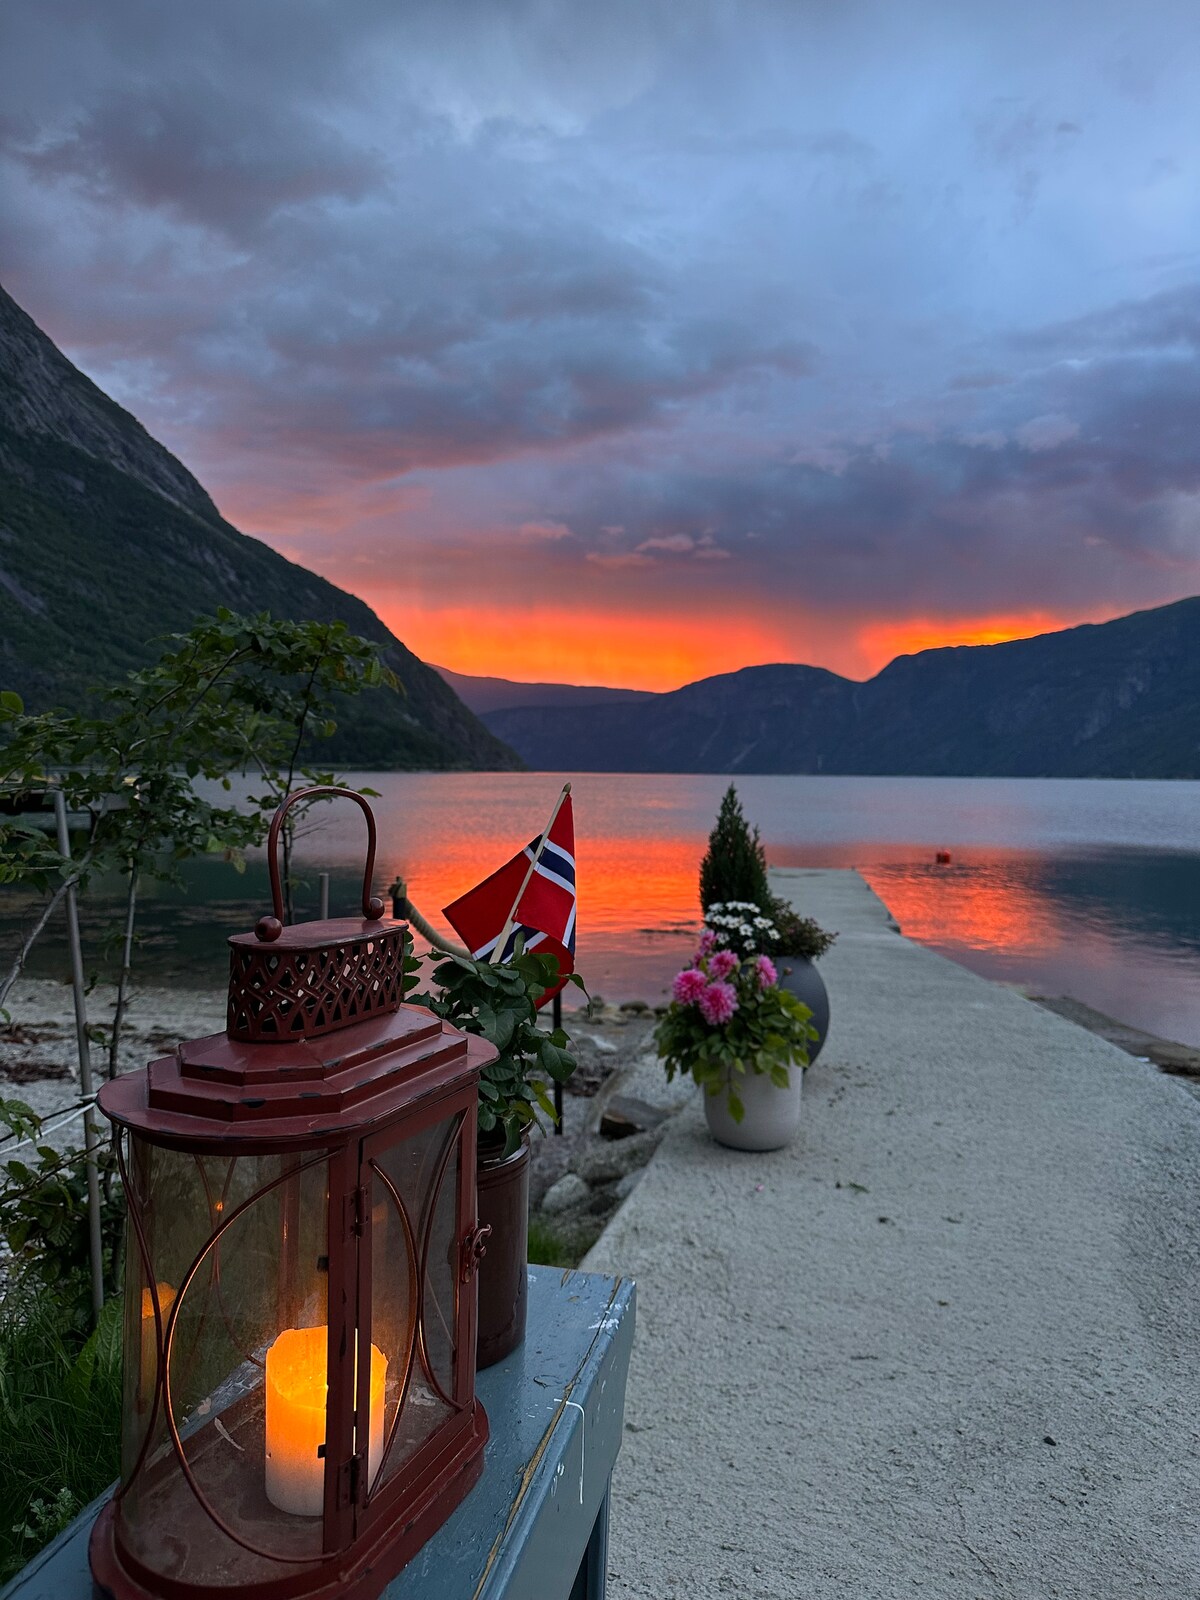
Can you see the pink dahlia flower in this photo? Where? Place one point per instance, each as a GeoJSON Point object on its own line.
{"type": "Point", "coordinates": [708, 943]}
{"type": "Point", "coordinates": [718, 1003]}
{"type": "Point", "coordinates": [767, 974]}
{"type": "Point", "coordinates": [689, 986]}
{"type": "Point", "coordinates": [722, 964]}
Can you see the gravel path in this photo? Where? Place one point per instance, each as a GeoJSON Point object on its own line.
{"type": "Point", "coordinates": [945, 1345]}
{"type": "Point", "coordinates": [38, 1060]}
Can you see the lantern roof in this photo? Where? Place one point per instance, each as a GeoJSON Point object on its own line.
{"type": "Point", "coordinates": [218, 1091]}
{"type": "Point", "coordinates": [318, 1042]}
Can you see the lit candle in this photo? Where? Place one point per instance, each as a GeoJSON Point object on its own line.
{"type": "Point", "coordinates": [297, 1392]}
{"type": "Point", "coordinates": [166, 1297]}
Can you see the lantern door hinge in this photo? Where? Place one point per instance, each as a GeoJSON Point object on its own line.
{"type": "Point", "coordinates": [350, 1479]}
{"type": "Point", "coordinates": [356, 1212]}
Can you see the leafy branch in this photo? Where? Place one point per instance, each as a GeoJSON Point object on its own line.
{"type": "Point", "coordinates": [44, 1220]}
{"type": "Point", "coordinates": [232, 695]}
{"type": "Point", "coordinates": [500, 1003]}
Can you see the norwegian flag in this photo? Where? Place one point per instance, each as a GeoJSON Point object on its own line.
{"type": "Point", "coordinates": [545, 912]}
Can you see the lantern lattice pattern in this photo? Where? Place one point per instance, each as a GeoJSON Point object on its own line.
{"type": "Point", "coordinates": [279, 992]}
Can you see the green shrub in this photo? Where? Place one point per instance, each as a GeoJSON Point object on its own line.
{"type": "Point", "coordinates": [798, 936]}
{"type": "Point", "coordinates": [500, 1002]}
{"type": "Point", "coordinates": [60, 1418]}
{"type": "Point", "coordinates": [44, 1218]}
{"type": "Point", "coordinates": [734, 870]}
{"type": "Point", "coordinates": [734, 866]}
{"type": "Point", "coordinates": [60, 1377]}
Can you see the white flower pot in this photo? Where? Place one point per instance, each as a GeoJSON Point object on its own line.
{"type": "Point", "coordinates": [772, 1114]}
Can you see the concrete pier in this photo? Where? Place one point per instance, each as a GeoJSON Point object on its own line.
{"type": "Point", "coordinates": [948, 1343]}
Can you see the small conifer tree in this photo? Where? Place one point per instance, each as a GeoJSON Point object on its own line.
{"type": "Point", "coordinates": [734, 866]}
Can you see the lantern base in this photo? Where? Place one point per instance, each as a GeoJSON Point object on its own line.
{"type": "Point", "coordinates": [359, 1572]}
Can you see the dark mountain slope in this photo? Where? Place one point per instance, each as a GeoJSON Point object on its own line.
{"type": "Point", "coordinates": [107, 542]}
{"type": "Point", "coordinates": [1115, 699]}
{"type": "Point", "coordinates": [1118, 699]}
{"type": "Point", "coordinates": [43, 396]}
{"type": "Point", "coordinates": [500, 694]}
{"type": "Point", "coordinates": [761, 719]}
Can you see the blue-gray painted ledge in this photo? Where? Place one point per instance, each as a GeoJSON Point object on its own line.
{"type": "Point", "coordinates": [535, 1525]}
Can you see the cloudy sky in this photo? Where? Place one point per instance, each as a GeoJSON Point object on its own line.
{"type": "Point", "coordinates": [630, 342]}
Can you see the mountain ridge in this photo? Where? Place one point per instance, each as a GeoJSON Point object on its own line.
{"type": "Point", "coordinates": [107, 543]}
{"type": "Point", "coordinates": [53, 398]}
{"type": "Point", "coordinates": [484, 694]}
{"type": "Point", "coordinates": [1111, 699]}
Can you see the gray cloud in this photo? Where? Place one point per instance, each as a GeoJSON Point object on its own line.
{"type": "Point", "coordinates": [210, 159]}
{"type": "Point", "coordinates": [1080, 503]}
{"type": "Point", "coordinates": [765, 305]}
{"type": "Point", "coordinates": [1169, 318]}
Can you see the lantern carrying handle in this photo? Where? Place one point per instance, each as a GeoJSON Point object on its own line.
{"type": "Point", "coordinates": [269, 928]}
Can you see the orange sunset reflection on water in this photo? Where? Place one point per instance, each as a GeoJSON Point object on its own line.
{"type": "Point", "coordinates": [978, 906]}
{"type": "Point", "coordinates": [615, 898]}
{"type": "Point", "coordinates": [1088, 889]}
{"type": "Point", "coordinates": [990, 914]}
{"type": "Point", "coordinates": [1110, 925]}
{"type": "Point", "coordinates": [637, 881]}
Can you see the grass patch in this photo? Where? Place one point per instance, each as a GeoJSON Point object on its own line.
{"type": "Point", "coordinates": [547, 1248]}
{"type": "Point", "coordinates": [60, 1421]}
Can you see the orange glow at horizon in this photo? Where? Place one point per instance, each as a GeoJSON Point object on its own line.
{"type": "Point", "coordinates": [551, 644]}
{"type": "Point", "coordinates": [567, 638]}
{"type": "Point", "coordinates": [882, 642]}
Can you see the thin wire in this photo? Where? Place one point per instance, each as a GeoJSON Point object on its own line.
{"type": "Point", "coordinates": [60, 1120]}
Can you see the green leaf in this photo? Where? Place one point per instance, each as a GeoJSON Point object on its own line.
{"type": "Point", "coordinates": [101, 1354]}
{"type": "Point", "coordinates": [505, 1027]}
{"type": "Point", "coordinates": [513, 1131]}
{"type": "Point", "coordinates": [544, 1101]}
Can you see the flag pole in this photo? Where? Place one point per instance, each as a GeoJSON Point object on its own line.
{"type": "Point", "coordinates": [498, 948]}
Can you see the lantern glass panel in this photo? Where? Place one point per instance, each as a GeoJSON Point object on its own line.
{"type": "Point", "coordinates": [415, 1231]}
{"type": "Point", "coordinates": [236, 1248]}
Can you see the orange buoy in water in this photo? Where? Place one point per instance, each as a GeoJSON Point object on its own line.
{"type": "Point", "coordinates": [943, 858]}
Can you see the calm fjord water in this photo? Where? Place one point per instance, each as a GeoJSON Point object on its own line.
{"type": "Point", "coordinates": [1086, 888]}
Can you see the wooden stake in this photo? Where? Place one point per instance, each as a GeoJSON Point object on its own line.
{"type": "Point", "coordinates": [498, 947]}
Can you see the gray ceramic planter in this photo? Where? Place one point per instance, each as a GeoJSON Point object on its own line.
{"type": "Point", "coordinates": [801, 978]}
{"type": "Point", "coordinates": [772, 1115]}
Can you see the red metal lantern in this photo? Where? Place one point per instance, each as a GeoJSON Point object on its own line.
{"type": "Point", "coordinates": [300, 1410]}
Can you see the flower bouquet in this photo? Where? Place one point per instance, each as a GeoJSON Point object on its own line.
{"type": "Point", "coordinates": [734, 1029]}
